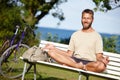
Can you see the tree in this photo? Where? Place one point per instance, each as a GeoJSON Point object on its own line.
{"type": "Point", "coordinates": [31, 7]}
{"type": "Point", "coordinates": [110, 44]}
{"type": "Point", "coordinates": [13, 12]}
{"type": "Point", "coordinates": [105, 5]}
{"type": "Point", "coordinates": [9, 16]}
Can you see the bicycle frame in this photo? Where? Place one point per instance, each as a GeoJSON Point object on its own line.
{"type": "Point", "coordinates": [14, 36]}
{"type": "Point", "coordinates": [18, 43]}
{"type": "Point", "coordinates": [9, 61]}
{"type": "Point", "coordinates": [22, 37]}
{"type": "Point", "coordinates": [11, 41]}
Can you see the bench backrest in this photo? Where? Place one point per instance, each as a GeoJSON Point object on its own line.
{"type": "Point", "coordinates": [113, 68]}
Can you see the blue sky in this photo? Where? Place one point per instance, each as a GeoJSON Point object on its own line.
{"type": "Point", "coordinates": [104, 22]}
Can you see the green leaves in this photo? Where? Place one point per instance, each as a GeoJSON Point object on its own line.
{"type": "Point", "coordinates": [110, 44]}
{"type": "Point", "coordinates": [105, 5]}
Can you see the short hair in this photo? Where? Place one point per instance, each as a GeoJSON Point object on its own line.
{"type": "Point", "coordinates": [88, 11]}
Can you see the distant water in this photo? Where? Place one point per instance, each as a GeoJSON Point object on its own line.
{"type": "Point", "coordinates": [65, 34]}
{"type": "Point", "coordinates": [61, 33]}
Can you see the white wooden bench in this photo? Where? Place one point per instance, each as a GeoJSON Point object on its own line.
{"type": "Point", "coordinates": [112, 71]}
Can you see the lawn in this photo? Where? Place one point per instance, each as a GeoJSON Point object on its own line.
{"type": "Point", "coordinates": [53, 73]}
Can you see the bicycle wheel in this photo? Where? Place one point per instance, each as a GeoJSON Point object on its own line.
{"type": "Point", "coordinates": [4, 46]}
{"type": "Point", "coordinates": [11, 65]}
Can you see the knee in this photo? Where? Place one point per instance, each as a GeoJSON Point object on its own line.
{"type": "Point", "coordinates": [101, 67]}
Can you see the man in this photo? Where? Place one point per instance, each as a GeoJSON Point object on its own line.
{"type": "Point", "coordinates": [85, 48]}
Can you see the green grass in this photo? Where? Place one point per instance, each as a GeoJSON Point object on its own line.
{"type": "Point", "coordinates": [45, 72]}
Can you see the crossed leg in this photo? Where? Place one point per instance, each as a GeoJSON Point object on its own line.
{"type": "Point", "coordinates": [97, 66]}
{"type": "Point", "coordinates": [62, 58]}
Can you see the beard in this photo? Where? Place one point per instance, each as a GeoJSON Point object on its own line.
{"type": "Point", "coordinates": [86, 25]}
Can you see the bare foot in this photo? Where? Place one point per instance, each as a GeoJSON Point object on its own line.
{"type": "Point", "coordinates": [49, 46]}
{"type": "Point", "coordinates": [80, 65]}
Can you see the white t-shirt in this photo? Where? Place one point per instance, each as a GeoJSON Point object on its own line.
{"type": "Point", "coordinates": [86, 45]}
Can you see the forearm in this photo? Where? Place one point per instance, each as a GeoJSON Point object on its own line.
{"type": "Point", "coordinates": [100, 58]}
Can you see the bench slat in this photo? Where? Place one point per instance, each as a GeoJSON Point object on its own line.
{"type": "Point", "coordinates": [113, 68]}
{"type": "Point", "coordinates": [104, 75]}
{"type": "Point", "coordinates": [114, 59]}
{"type": "Point", "coordinates": [112, 72]}
{"type": "Point", "coordinates": [111, 54]}
{"type": "Point", "coordinates": [114, 63]}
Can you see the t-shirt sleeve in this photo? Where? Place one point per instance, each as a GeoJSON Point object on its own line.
{"type": "Point", "coordinates": [71, 44]}
{"type": "Point", "coordinates": [99, 45]}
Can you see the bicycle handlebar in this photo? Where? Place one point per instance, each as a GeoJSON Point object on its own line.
{"type": "Point", "coordinates": [17, 27]}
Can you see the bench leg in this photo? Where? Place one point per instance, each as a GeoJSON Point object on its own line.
{"type": "Point", "coordinates": [79, 78]}
{"type": "Point", "coordinates": [86, 75]}
{"type": "Point", "coordinates": [24, 71]}
{"type": "Point", "coordinates": [30, 66]}
{"type": "Point", "coordinates": [34, 71]}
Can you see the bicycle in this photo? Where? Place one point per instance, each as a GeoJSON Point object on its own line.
{"type": "Point", "coordinates": [11, 65]}
{"type": "Point", "coordinates": [4, 46]}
